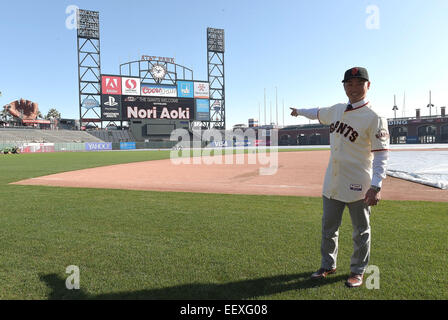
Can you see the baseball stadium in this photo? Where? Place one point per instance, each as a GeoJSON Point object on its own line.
{"type": "Point", "coordinates": [148, 196]}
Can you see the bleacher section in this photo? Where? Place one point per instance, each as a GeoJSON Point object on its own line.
{"type": "Point", "coordinates": [113, 135]}
{"type": "Point", "coordinates": [45, 136]}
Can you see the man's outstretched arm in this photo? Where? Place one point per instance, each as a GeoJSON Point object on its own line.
{"type": "Point", "coordinates": [308, 113]}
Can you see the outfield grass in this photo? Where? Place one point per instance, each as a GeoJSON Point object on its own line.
{"type": "Point", "coordinates": [156, 245]}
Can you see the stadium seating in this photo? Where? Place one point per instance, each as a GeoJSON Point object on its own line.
{"type": "Point", "coordinates": [45, 136]}
{"type": "Point", "coordinates": [115, 136]}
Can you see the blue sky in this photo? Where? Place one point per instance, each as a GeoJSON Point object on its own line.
{"type": "Point", "coordinates": [300, 47]}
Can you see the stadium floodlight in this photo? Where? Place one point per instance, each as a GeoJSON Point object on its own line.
{"type": "Point", "coordinates": [89, 65]}
{"type": "Point", "coordinates": [215, 40]}
{"type": "Point", "coordinates": [430, 105]}
{"type": "Point", "coordinates": [216, 78]}
{"type": "Point", "coordinates": [88, 24]}
{"type": "Point", "coordinates": [395, 108]}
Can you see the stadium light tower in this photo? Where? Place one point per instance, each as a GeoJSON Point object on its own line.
{"type": "Point", "coordinates": [430, 105]}
{"type": "Point", "coordinates": [395, 108]}
{"type": "Point", "coordinates": [265, 122]}
{"type": "Point", "coordinates": [215, 63]}
{"type": "Point", "coordinates": [283, 112]}
{"type": "Point", "coordinates": [404, 105]}
{"type": "Point", "coordinates": [276, 107]}
{"type": "Point", "coordinates": [89, 66]}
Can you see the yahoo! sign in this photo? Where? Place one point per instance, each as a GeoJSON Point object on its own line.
{"type": "Point", "coordinates": [98, 146]}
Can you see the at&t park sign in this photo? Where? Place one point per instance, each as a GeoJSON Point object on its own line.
{"type": "Point", "coordinates": [155, 58]}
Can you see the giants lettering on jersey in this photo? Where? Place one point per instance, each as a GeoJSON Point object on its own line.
{"type": "Point", "coordinates": [344, 129]}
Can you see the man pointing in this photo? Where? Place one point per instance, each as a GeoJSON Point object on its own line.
{"type": "Point", "coordinates": [359, 140]}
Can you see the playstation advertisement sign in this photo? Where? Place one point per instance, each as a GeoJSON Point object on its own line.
{"type": "Point", "coordinates": [111, 107]}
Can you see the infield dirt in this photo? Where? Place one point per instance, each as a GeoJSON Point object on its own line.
{"type": "Point", "coordinates": [298, 174]}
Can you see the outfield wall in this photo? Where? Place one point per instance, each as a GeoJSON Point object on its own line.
{"type": "Point", "coordinates": [87, 146]}
{"type": "Point", "coordinates": [157, 145]}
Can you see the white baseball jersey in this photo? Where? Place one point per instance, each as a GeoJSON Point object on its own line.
{"type": "Point", "coordinates": [354, 135]}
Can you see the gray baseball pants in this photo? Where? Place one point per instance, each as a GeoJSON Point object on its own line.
{"type": "Point", "coordinates": [331, 221]}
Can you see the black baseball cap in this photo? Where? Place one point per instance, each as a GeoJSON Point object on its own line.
{"type": "Point", "coordinates": [356, 72]}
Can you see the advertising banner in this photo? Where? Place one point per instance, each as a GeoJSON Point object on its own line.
{"type": "Point", "coordinates": [159, 91]}
{"type": "Point", "coordinates": [90, 103]}
{"type": "Point", "coordinates": [127, 145]}
{"type": "Point", "coordinates": [219, 144]}
{"type": "Point", "coordinates": [245, 143]}
{"type": "Point", "coordinates": [98, 146]}
{"type": "Point", "coordinates": [111, 85]}
{"type": "Point", "coordinates": [202, 90]}
{"type": "Point", "coordinates": [202, 110]}
{"type": "Point", "coordinates": [110, 107]}
{"type": "Point", "coordinates": [130, 86]}
{"type": "Point", "coordinates": [226, 143]}
{"type": "Point", "coordinates": [216, 106]}
{"type": "Point", "coordinates": [185, 89]}
{"type": "Point", "coordinates": [37, 147]}
{"type": "Point", "coordinates": [157, 108]}
{"type": "Point", "coordinates": [39, 121]}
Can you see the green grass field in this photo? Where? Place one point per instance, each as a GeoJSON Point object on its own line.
{"type": "Point", "coordinates": [155, 245]}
